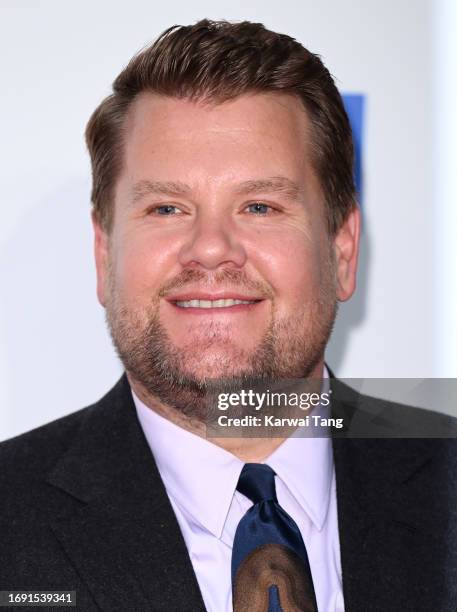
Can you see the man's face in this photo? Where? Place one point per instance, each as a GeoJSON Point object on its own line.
{"type": "Point", "coordinates": [219, 262]}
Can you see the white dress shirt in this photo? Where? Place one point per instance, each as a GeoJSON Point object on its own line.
{"type": "Point", "coordinates": [200, 479]}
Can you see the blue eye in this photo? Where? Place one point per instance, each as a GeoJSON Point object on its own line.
{"type": "Point", "coordinates": [166, 210]}
{"type": "Point", "coordinates": [258, 208]}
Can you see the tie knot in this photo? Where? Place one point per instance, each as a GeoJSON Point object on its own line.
{"type": "Point", "coordinates": [257, 482]}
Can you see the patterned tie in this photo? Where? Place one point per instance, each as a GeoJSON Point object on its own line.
{"type": "Point", "coordinates": [270, 567]}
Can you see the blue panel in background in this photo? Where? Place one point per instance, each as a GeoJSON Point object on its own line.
{"type": "Point", "coordinates": [354, 105]}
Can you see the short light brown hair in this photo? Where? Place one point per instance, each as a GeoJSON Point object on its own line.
{"type": "Point", "coordinates": [218, 61]}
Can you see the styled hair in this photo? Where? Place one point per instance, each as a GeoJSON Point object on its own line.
{"type": "Point", "coordinates": [215, 61]}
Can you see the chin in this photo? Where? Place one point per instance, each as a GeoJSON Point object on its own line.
{"type": "Point", "coordinates": [217, 364]}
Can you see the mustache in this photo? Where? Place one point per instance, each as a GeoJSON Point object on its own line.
{"type": "Point", "coordinates": [219, 278]}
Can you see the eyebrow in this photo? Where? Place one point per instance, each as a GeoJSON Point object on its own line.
{"type": "Point", "coordinates": [169, 188]}
{"type": "Point", "coordinates": [275, 184]}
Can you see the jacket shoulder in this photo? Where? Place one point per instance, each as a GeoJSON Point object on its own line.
{"type": "Point", "coordinates": [370, 416]}
{"type": "Point", "coordinates": [25, 460]}
{"type": "Point", "coordinates": [30, 455]}
{"type": "Point", "coordinates": [37, 450]}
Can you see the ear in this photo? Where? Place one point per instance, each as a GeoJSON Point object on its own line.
{"type": "Point", "coordinates": [346, 246]}
{"type": "Point", "coordinates": [101, 258]}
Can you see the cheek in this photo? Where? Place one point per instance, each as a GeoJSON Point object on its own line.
{"type": "Point", "coordinates": [292, 264]}
{"type": "Point", "coordinates": [141, 264]}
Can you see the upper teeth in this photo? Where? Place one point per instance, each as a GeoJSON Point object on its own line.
{"type": "Point", "coordinates": [211, 303]}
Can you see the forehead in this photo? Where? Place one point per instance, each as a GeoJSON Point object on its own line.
{"type": "Point", "coordinates": [201, 143]}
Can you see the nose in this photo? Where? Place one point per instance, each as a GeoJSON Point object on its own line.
{"type": "Point", "coordinates": [212, 242]}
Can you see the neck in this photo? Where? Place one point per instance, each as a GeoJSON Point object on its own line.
{"type": "Point", "coordinates": [249, 450]}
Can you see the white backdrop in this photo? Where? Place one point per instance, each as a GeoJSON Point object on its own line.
{"type": "Point", "coordinates": [57, 61]}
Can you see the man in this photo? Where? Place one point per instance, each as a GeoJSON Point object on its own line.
{"type": "Point", "coordinates": [226, 231]}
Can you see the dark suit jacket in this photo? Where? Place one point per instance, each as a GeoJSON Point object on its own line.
{"type": "Point", "coordinates": [82, 507]}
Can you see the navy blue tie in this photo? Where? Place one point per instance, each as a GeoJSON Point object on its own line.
{"type": "Point", "coordinates": [270, 566]}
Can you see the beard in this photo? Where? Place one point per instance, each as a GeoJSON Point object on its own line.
{"type": "Point", "coordinates": [290, 348]}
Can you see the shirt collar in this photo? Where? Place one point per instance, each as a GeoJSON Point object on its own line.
{"type": "Point", "coordinates": [201, 477]}
{"type": "Point", "coordinates": [198, 475]}
{"type": "Point", "coordinates": [305, 465]}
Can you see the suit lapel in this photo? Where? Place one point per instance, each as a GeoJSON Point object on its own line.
{"type": "Point", "coordinates": [115, 520]}
{"type": "Point", "coordinates": [391, 516]}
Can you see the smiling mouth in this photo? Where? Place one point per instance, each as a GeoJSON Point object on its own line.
{"type": "Point", "coordinates": [221, 303]}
